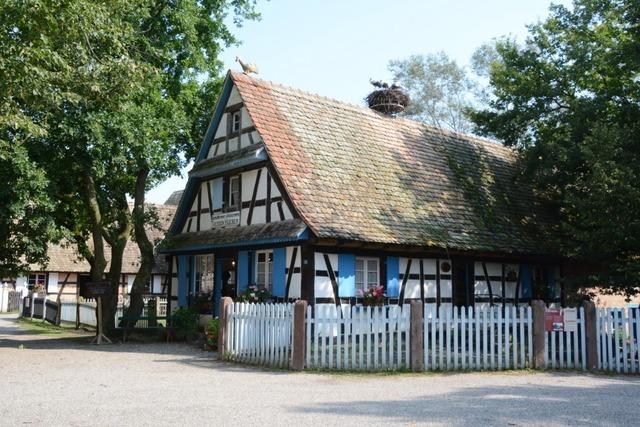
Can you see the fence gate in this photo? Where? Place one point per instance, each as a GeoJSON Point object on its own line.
{"type": "Point", "coordinates": [260, 333]}
{"type": "Point", "coordinates": [567, 349]}
{"type": "Point", "coordinates": [484, 338]}
{"type": "Point", "coordinates": [618, 346]}
{"type": "Point", "coordinates": [358, 338]}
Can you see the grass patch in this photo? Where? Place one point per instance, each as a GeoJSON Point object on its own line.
{"type": "Point", "coordinates": [40, 327]}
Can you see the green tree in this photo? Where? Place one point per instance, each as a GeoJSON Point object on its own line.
{"type": "Point", "coordinates": [116, 91]}
{"type": "Point", "coordinates": [569, 100]}
{"type": "Point", "coordinates": [441, 91]}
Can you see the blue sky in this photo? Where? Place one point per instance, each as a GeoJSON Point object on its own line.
{"type": "Point", "coordinates": [333, 47]}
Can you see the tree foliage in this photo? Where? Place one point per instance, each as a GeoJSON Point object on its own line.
{"type": "Point", "coordinates": [107, 99]}
{"type": "Point", "coordinates": [441, 91]}
{"type": "Point", "coordinates": [569, 100]}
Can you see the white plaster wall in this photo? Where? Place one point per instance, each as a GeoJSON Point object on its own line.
{"type": "Point", "coordinates": [295, 290]}
{"type": "Point", "coordinates": [322, 284]}
{"type": "Point", "coordinates": [52, 283]}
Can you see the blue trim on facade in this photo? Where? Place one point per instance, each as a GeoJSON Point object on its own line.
{"type": "Point", "coordinates": [252, 268]}
{"type": "Point", "coordinates": [526, 280]}
{"type": "Point", "coordinates": [393, 274]}
{"type": "Point", "coordinates": [243, 271]}
{"type": "Point", "coordinates": [183, 280]}
{"type": "Point", "coordinates": [274, 240]}
{"type": "Point", "coordinates": [551, 274]}
{"type": "Point", "coordinates": [216, 195]}
{"type": "Point", "coordinates": [279, 276]}
{"type": "Point", "coordinates": [347, 279]}
{"type": "Point", "coordinates": [217, 293]}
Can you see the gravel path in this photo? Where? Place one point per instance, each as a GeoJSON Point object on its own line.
{"type": "Point", "coordinates": [64, 381]}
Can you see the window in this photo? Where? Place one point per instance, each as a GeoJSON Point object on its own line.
{"type": "Point", "coordinates": [367, 273]}
{"type": "Point", "coordinates": [234, 193]}
{"type": "Point", "coordinates": [235, 121]}
{"type": "Point", "coordinates": [37, 279]}
{"type": "Point", "coordinates": [264, 269]}
{"type": "Point", "coordinates": [204, 273]}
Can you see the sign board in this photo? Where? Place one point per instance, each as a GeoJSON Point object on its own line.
{"type": "Point", "coordinates": [95, 289]}
{"type": "Point", "coordinates": [553, 320]}
{"type": "Point", "coordinates": [570, 319]}
{"type": "Point", "coordinates": [225, 219]}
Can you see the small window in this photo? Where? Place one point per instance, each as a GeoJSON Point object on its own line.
{"type": "Point", "coordinates": [235, 121]}
{"type": "Point", "coordinates": [234, 193]}
{"type": "Point", "coordinates": [264, 269]}
{"type": "Point", "coordinates": [367, 273]}
{"type": "Point", "coordinates": [39, 279]}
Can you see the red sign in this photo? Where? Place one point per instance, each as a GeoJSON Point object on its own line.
{"type": "Point", "coordinates": [553, 320]}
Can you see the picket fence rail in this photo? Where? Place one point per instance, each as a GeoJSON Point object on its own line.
{"type": "Point", "coordinates": [617, 340]}
{"type": "Point", "coordinates": [485, 338]}
{"type": "Point", "coordinates": [358, 338]}
{"type": "Point", "coordinates": [259, 333]}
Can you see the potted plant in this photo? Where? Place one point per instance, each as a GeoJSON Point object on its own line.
{"type": "Point", "coordinates": [373, 297]}
{"type": "Point", "coordinates": [255, 294]}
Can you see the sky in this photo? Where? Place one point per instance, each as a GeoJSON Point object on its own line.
{"type": "Point", "coordinates": [333, 47]}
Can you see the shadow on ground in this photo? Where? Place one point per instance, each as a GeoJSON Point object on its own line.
{"type": "Point", "coordinates": [499, 405]}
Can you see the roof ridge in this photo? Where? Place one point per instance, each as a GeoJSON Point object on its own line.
{"type": "Point", "coordinates": [364, 109]}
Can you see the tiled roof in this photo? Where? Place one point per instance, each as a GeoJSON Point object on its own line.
{"type": "Point", "coordinates": [174, 198]}
{"type": "Point", "coordinates": [64, 257]}
{"type": "Point", "coordinates": [355, 174]}
{"type": "Point", "coordinates": [281, 231]}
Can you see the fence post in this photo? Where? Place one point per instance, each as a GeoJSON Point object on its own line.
{"type": "Point", "coordinates": [591, 335]}
{"type": "Point", "coordinates": [417, 337]}
{"type": "Point", "coordinates": [222, 326]}
{"type": "Point", "coordinates": [44, 307]}
{"type": "Point", "coordinates": [32, 302]}
{"type": "Point", "coordinates": [537, 309]}
{"type": "Point", "coordinates": [299, 338]}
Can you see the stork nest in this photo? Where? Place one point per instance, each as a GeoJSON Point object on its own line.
{"type": "Point", "coordinates": [388, 101]}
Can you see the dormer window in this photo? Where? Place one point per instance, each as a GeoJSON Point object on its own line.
{"type": "Point", "coordinates": [235, 121]}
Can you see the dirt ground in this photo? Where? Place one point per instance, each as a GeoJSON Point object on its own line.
{"type": "Point", "coordinates": [61, 380]}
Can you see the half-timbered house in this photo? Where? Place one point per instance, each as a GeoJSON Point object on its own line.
{"type": "Point", "coordinates": [317, 199]}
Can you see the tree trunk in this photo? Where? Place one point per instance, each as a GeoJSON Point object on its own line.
{"type": "Point", "coordinates": [97, 261]}
{"type": "Point", "coordinates": [147, 259]}
{"type": "Point", "coordinates": [117, 239]}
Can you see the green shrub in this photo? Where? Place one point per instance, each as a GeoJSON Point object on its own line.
{"type": "Point", "coordinates": [185, 323]}
{"type": "Point", "coordinates": [211, 334]}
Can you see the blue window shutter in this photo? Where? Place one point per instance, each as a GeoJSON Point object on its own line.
{"type": "Point", "coordinates": [551, 273]}
{"type": "Point", "coordinates": [216, 189]}
{"type": "Point", "coordinates": [243, 270]}
{"type": "Point", "coordinates": [252, 267]}
{"type": "Point", "coordinates": [279, 266]}
{"type": "Point", "coordinates": [347, 281]}
{"type": "Point", "coordinates": [217, 276]}
{"type": "Point", "coordinates": [393, 272]}
{"type": "Point", "coordinates": [527, 288]}
{"type": "Point", "coordinates": [183, 280]}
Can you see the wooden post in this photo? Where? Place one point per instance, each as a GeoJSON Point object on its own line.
{"type": "Point", "coordinates": [591, 334]}
{"type": "Point", "coordinates": [33, 298]}
{"type": "Point", "coordinates": [44, 307]}
{"type": "Point", "coordinates": [223, 326]}
{"type": "Point", "coordinates": [537, 308]}
{"type": "Point", "coordinates": [99, 321]}
{"type": "Point", "coordinates": [417, 336]}
{"type": "Point", "coordinates": [299, 335]}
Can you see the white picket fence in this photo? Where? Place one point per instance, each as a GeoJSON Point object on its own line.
{"type": "Point", "coordinates": [259, 333]}
{"type": "Point", "coordinates": [358, 338]}
{"type": "Point", "coordinates": [87, 312]}
{"type": "Point", "coordinates": [459, 338]}
{"type": "Point", "coordinates": [617, 335]}
{"type": "Point", "coordinates": [566, 349]}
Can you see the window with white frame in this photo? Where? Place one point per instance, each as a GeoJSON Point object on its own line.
{"type": "Point", "coordinates": [264, 269]}
{"type": "Point", "coordinates": [367, 273]}
{"type": "Point", "coordinates": [204, 273]}
{"type": "Point", "coordinates": [235, 121]}
{"type": "Point", "coordinates": [37, 279]}
{"type": "Point", "coordinates": [234, 192]}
